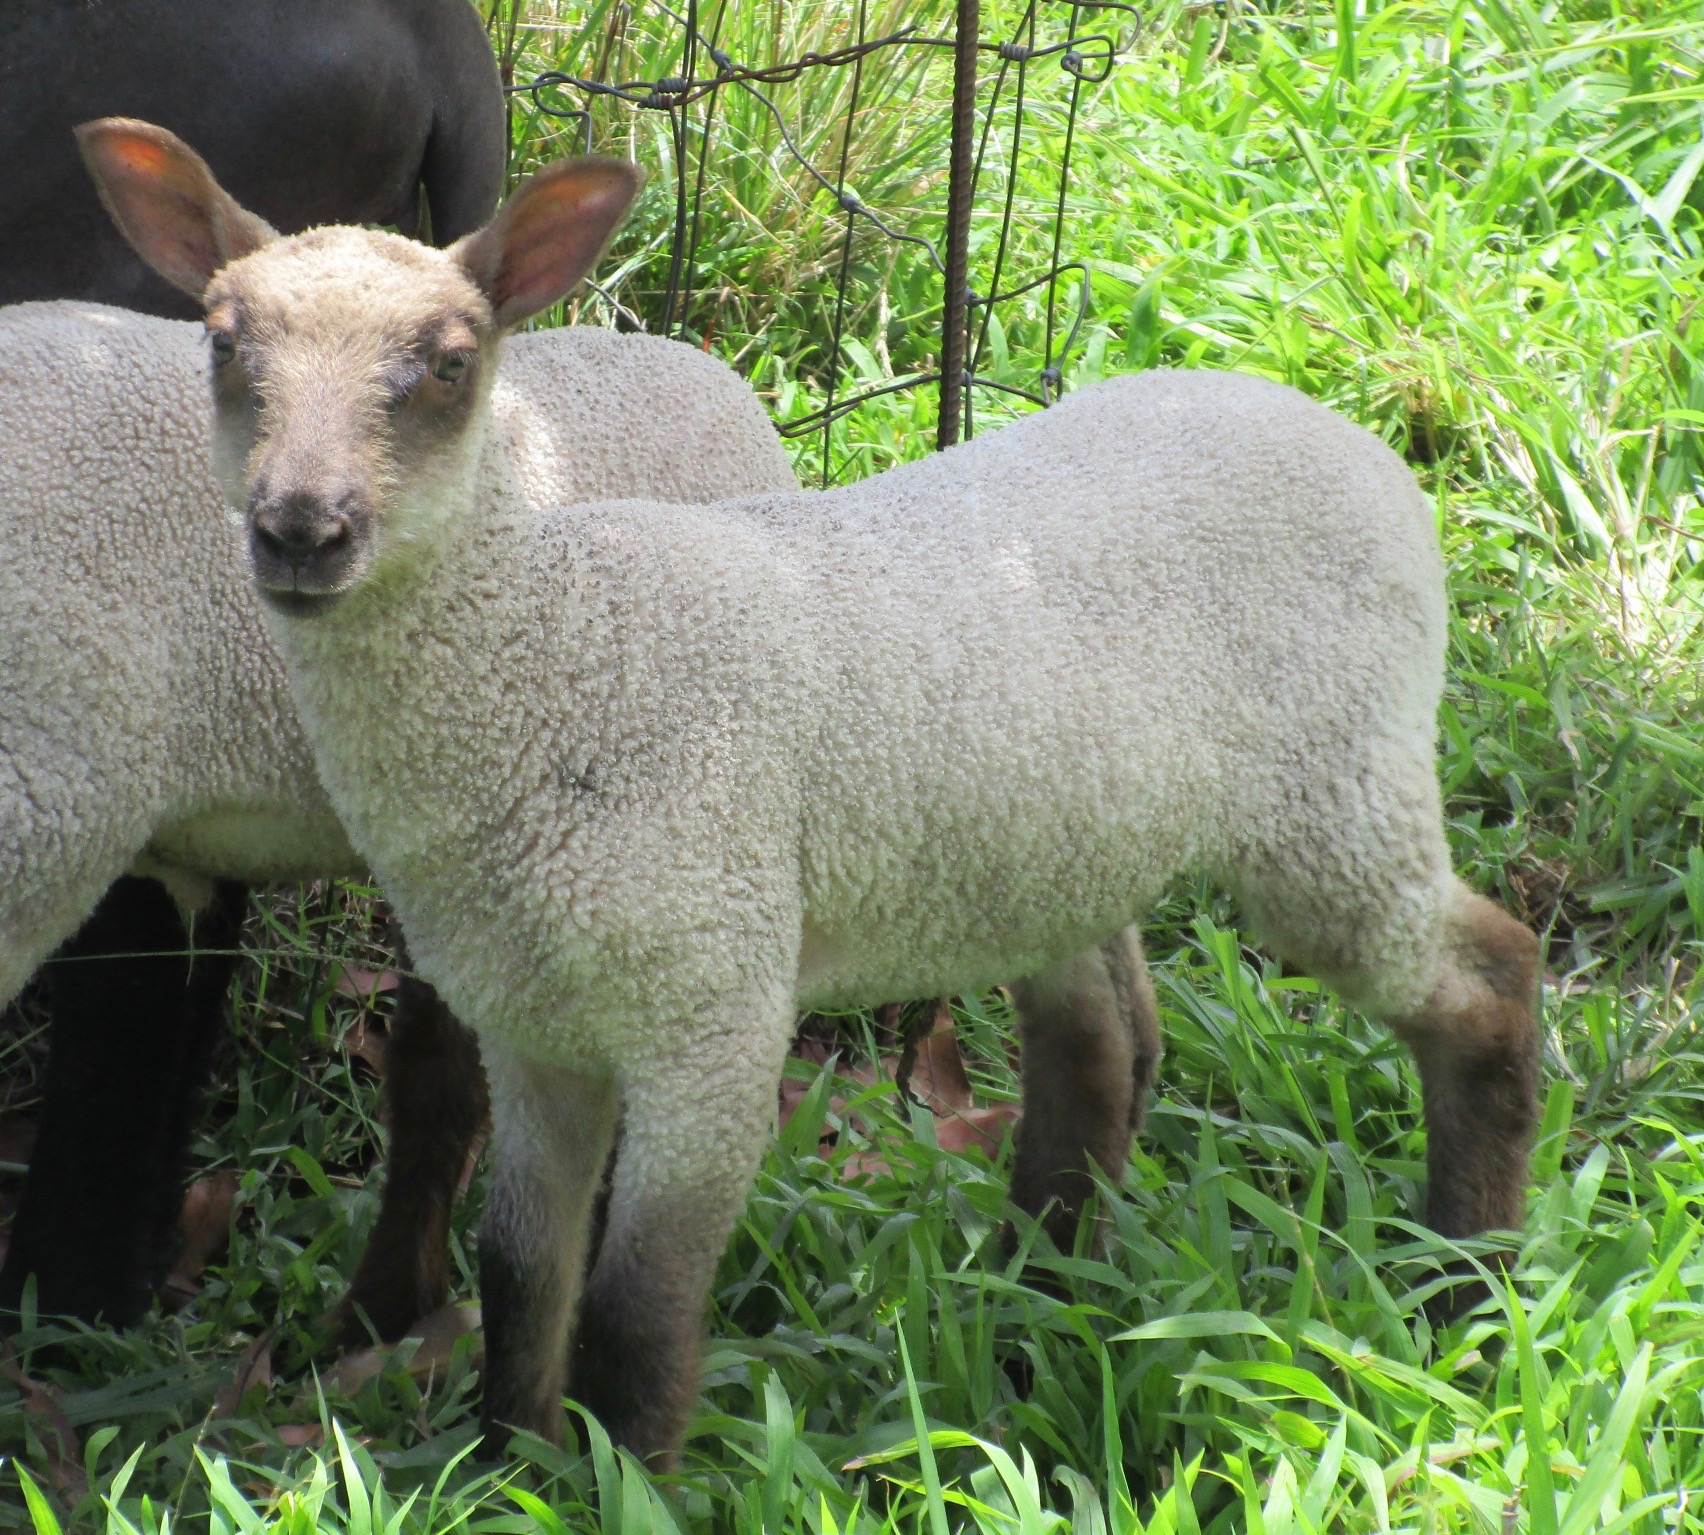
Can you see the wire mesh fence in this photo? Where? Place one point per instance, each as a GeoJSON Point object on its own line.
{"type": "Point", "coordinates": [835, 163]}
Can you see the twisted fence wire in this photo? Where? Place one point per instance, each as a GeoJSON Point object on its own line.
{"type": "Point", "coordinates": [1086, 58]}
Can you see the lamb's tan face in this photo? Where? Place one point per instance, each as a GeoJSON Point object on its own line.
{"type": "Point", "coordinates": [350, 373]}
{"type": "Point", "coordinates": [352, 370]}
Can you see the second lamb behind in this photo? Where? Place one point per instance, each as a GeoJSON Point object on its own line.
{"type": "Point", "coordinates": [674, 772]}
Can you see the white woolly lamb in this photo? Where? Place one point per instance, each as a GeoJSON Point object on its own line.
{"type": "Point", "coordinates": [699, 766]}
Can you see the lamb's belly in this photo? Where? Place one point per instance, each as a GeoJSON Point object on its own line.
{"type": "Point", "coordinates": [978, 926]}
{"type": "Point", "coordinates": [258, 844]}
{"type": "Point", "coordinates": [985, 833]}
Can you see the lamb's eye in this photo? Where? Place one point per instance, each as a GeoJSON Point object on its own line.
{"type": "Point", "coordinates": [223, 345]}
{"type": "Point", "coordinates": [448, 367]}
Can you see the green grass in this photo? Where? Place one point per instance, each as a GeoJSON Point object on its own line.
{"type": "Point", "coordinates": [1474, 228]}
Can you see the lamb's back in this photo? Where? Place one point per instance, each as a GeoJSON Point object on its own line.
{"type": "Point", "coordinates": [587, 414]}
{"type": "Point", "coordinates": [1085, 650]}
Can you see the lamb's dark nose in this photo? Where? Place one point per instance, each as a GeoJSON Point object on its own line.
{"type": "Point", "coordinates": [295, 529]}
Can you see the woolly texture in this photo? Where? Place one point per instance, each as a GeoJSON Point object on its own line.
{"type": "Point", "coordinates": [145, 719]}
{"type": "Point", "coordinates": [939, 729]}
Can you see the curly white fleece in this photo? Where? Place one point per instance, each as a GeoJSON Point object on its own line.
{"type": "Point", "coordinates": [145, 720]}
{"type": "Point", "coordinates": [701, 765]}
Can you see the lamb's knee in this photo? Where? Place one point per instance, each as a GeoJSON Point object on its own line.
{"type": "Point", "coordinates": [1483, 998]}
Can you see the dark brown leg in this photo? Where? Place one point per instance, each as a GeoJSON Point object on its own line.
{"type": "Point", "coordinates": [1382, 941]}
{"type": "Point", "coordinates": [1477, 1047]}
{"type": "Point", "coordinates": [438, 1103]}
{"type": "Point", "coordinates": [551, 1136]}
{"type": "Point", "coordinates": [1091, 1047]}
{"type": "Point", "coordinates": [636, 1351]}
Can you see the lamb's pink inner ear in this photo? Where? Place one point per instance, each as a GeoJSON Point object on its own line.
{"type": "Point", "coordinates": [166, 203]}
{"type": "Point", "coordinates": [548, 235]}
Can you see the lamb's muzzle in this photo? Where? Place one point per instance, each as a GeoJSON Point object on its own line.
{"type": "Point", "coordinates": [300, 546]}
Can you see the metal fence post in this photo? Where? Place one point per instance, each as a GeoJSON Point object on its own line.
{"type": "Point", "coordinates": [960, 185]}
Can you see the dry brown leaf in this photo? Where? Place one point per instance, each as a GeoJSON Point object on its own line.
{"type": "Point", "coordinates": [60, 1444]}
{"type": "Point", "coordinates": [938, 1079]}
{"type": "Point", "coordinates": [204, 1233]}
{"type": "Point", "coordinates": [367, 1040]}
{"type": "Point", "coordinates": [253, 1369]}
{"type": "Point", "coordinates": [792, 1094]}
{"type": "Point", "coordinates": [297, 1436]}
{"type": "Point", "coordinates": [474, 1147]}
{"type": "Point", "coordinates": [866, 1164]}
{"type": "Point", "coordinates": [359, 982]}
{"type": "Point", "coordinates": [982, 1129]}
{"type": "Point", "coordinates": [436, 1336]}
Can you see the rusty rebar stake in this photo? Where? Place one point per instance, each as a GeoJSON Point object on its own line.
{"type": "Point", "coordinates": [961, 176]}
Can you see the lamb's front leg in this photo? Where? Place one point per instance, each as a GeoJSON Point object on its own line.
{"type": "Point", "coordinates": [693, 1133]}
{"type": "Point", "coordinates": [551, 1131]}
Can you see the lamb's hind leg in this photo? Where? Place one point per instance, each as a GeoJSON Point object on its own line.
{"type": "Point", "coordinates": [1365, 900]}
{"type": "Point", "coordinates": [1475, 1040]}
{"type": "Point", "coordinates": [551, 1130]}
{"type": "Point", "coordinates": [435, 1088]}
{"type": "Point", "coordinates": [1091, 1046]}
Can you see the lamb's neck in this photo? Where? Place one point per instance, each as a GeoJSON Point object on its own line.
{"type": "Point", "coordinates": [455, 526]}
{"type": "Point", "coordinates": [398, 686]}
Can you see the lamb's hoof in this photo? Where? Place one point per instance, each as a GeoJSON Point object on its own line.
{"type": "Point", "coordinates": [1464, 1289]}
{"type": "Point", "coordinates": [370, 1315]}
{"type": "Point", "coordinates": [426, 1351]}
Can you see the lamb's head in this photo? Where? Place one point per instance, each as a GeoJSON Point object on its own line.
{"type": "Point", "coordinates": [351, 368]}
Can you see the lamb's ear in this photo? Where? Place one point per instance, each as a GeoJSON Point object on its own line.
{"type": "Point", "coordinates": [166, 203]}
{"type": "Point", "coordinates": [548, 235]}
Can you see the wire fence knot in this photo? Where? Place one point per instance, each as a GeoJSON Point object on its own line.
{"type": "Point", "coordinates": [1017, 52]}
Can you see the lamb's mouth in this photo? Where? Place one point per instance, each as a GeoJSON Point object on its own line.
{"type": "Point", "coordinates": [297, 603]}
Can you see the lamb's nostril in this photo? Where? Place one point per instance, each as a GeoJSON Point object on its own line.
{"type": "Point", "coordinates": [296, 531]}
